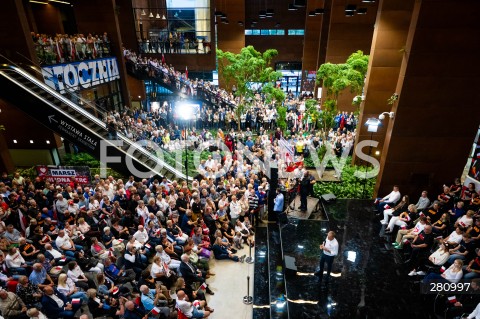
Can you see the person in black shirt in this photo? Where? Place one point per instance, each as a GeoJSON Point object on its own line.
{"type": "Point", "coordinates": [464, 251]}
{"type": "Point", "coordinates": [420, 247]}
{"type": "Point", "coordinates": [306, 187]}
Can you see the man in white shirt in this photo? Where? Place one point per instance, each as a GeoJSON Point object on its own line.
{"type": "Point", "coordinates": [141, 235]}
{"type": "Point", "coordinates": [329, 251]}
{"type": "Point", "coordinates": [187, 307]}
{"type": "Point", "coordinates": [65, 244]}
{"type": "Point", "coordinates": [389, 200]}
{"type": "Point", "coordinates": [235, 209]}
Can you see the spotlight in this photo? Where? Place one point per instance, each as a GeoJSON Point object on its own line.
{"type": "Point", "coordinates": [47, 141]}
{"type": "Point", "coordinates": [31, 141]}
{"type": "Point", "coordinates": [14, 141]}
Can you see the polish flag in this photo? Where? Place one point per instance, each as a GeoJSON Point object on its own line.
{"type": "Point", "coordinates": [203, 286]}
{"type": "Point", "coordinates": [155, 311]}
{"type": "Point", "coordinates": [196, 303]}
{"type": "Point", "coordinates": [442, 270]}
{"type": "Point", "coordinates": [452, 299]}
{"type": "Point", "coordinates": [115, 290]}
{"type": "Point", "coordinates": [76, 301]}
{"type": "Point", "coordinates": [186, 72]}
{"type": "Point", "coordinates": [163, 59]}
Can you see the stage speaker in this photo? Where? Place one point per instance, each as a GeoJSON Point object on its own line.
{"type": "Point", "coordinates": [290, 266]}
{"type": "Point", "coordinates": [328, 198]}
{"type": "Point", "coordinates": [272, 193]}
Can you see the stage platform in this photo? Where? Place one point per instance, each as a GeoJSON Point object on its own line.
{"type": "Point", "coordinates": [366, 282]}
{"type": "Point", "coordinates": [314, 209]}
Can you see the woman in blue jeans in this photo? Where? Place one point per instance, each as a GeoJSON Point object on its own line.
{"type": "Point", "coordinates": [453, 274]}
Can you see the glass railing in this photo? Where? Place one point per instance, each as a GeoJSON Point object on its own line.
{"type": "Point", "coordinates": [176, 46]}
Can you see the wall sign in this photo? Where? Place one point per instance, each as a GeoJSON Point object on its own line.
{"type": "Point", "coordinates": [63, 174]}
{"type": "Point", "coordinates": [80, 75]}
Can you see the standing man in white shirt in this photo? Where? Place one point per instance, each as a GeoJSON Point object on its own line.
{"type": "Point", "coordinates": [329, 251]}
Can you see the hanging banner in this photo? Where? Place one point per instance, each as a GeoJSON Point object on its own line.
{"type": "Point", "coordinates": [80, 75]}
{"type": "Point", "coordinates": [64, 174]}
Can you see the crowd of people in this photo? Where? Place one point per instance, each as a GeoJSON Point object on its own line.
{"type": "Point", "coordinates": [438, 236]}
{"type": "Point", "coordinates": [174, 42]}
{"type": "Point", "coordinates": [63, 48]}
{"type": "Point", "coordinates": [122, 248]}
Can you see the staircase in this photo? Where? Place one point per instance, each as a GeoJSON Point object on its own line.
{"type": "Point", "coordinates": [170, 82]}
{"type": "Point", "coordinates": [75, 124]}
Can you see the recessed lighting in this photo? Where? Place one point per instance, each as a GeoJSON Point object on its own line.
{"type": "Point", "coordinates": [377, 152]}
{"type": "Point", "coordinates": [362, 11]}
{"type": "Point", "coordinates": [139, 97]}
{"type": "Point", "coordinates": [47, 141]}
{"type": "Point", "coordinates": [31, 141]}
{"type": "Point", "coordinates": [15, 141]}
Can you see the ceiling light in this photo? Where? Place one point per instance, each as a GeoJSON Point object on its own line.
{"type": "Point", "coordinates": [319, 11]}
{"type": "Point", "coordinates": [40, 2]}
{"type": "Point", "coordinates": [150, 15]}
{"type": "Point", "coordinates": [368, 1]}
{"type": "Point", "coordinates": [349, 13]}
{"type": "Point", "coordinates": [291, 7]}
{"type": "Point", "coordinates": [47, 141]}
{"type": "Point", "coordinates": [14, 141]}
{"type": "Point", "coordinates": [157, 16]}
{"type": "Point", "coordinates": [362, 11]}
{"type": "Point", "coordinates": [31, 141]}
{"type": "Point", "coordinates": [270, 13]}
{"type": "Point", "coordinates": [311, 14]}
{"type": "Point", "coordinates": [163, 17]}
{"type": "Point", "coordinates": [240, 23]}
{"type": "Point", "coordinates": [59, 1]}
{"type": "Point", "coordinates": [350, 8]}
{"type": "Point", "coordinates": [218, 13]}
{"type": "Point", "coordinates": [262, 14]}
{"type": "Point", "coordinates": [143, 13]}
{"type": "Point", "coordinates": [377, 152]}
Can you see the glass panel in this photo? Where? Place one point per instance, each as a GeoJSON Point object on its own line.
{"type": "Point", "coordinates": [248, 32]}
{"type": "Point", "coordinates": [173, 26]}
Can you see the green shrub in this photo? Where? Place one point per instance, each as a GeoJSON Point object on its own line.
{"type": "Point", "coordinates": [349, 186]}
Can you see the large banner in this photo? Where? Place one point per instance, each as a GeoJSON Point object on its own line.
{"type": "Point", "coordinates": [63, 174]}
{"type": "Point", "coordinates": [80, 75]}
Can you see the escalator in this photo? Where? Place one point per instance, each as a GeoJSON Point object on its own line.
{"type": "Point", "coordinates": [75, 124]}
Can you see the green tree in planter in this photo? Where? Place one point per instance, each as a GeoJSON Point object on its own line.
{"type": "Point", "coordinates": [335, 78]}
{"type": "Point", "coordinates": [282, 117]}
{"type": "Point", "coordinates": [248, 67]}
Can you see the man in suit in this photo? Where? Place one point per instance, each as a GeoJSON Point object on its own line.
{"type": "Point", "coordinates": [191, 274]}
{"type": "Point", "coordinates": [56, 305]}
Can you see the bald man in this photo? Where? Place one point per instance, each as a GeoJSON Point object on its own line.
{"type": "Point", "coordinates": [187, 307]}
{"type": "Point", "coordinates": [132, 311]}
{"type": "Point", "coordinates": [56, 305]}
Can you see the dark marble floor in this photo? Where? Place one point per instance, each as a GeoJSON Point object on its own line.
{"type": "Point", "coordinates": [366, 282]}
